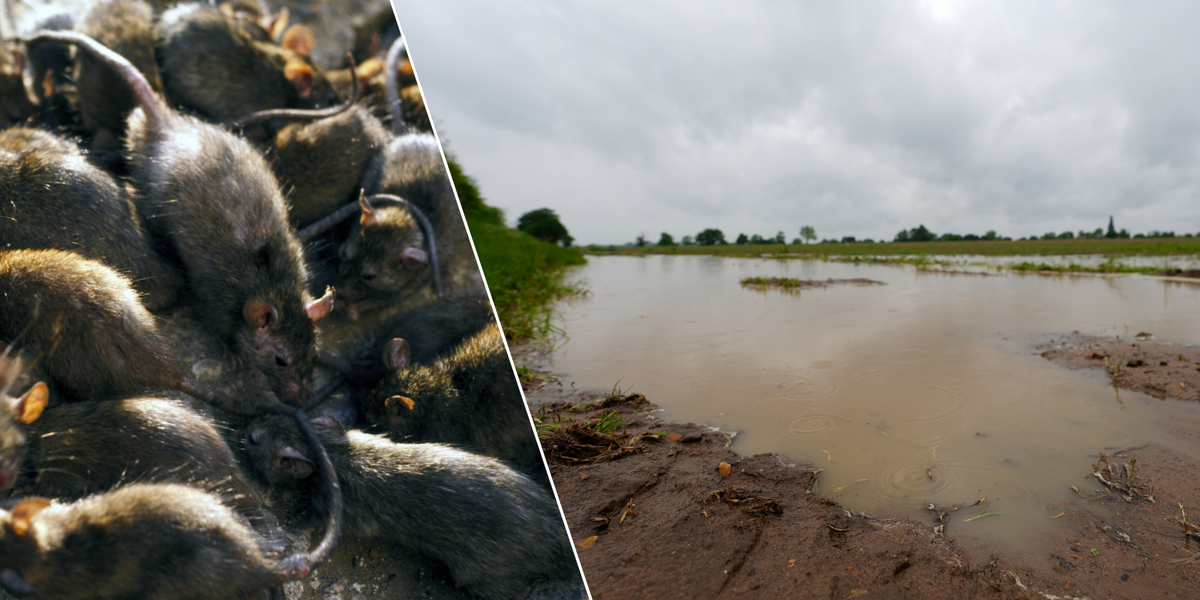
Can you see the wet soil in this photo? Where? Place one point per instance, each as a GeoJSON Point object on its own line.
{"type": "Point", "coordinates": [653, 516]}
{"type": "Point", "coordinates": [1139, 363]}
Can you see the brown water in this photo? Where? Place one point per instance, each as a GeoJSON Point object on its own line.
{"type": "Point", "coordinates": [928, 389]}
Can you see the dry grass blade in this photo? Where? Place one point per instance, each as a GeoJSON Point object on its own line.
{"type": "Point", "coordinates": [579, 443]}
{"type": "Point", "coordinates": [738, 497]}
{"type": "Point", "coordinates": [1121, 479]}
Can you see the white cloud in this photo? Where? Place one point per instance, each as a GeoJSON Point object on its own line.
{"type": "Point", "coordinates": [858, 118]}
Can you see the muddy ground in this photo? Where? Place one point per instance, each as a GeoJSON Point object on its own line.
{"type": "Point", "coordinates": [653, 516]}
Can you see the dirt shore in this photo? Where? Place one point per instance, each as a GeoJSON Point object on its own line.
{"type": "Point", "coordinates": [653, 516]}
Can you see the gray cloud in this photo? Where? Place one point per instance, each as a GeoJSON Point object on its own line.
{"type": "Point", "coordinates": [858, 118]}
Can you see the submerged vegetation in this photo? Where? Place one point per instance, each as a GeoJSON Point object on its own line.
{"type": "Point", "coordinates": [788, 283]}
{"type": "Point", "coordinates": [524, 274]}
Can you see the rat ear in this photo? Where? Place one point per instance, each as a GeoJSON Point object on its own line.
{"type": "Point", "coordinates": [368, 218]}
{"type": "Point", "coordinates": [301, 76]}
{"type": "Point", "coordinates": [414, 259]}
{"type": "Point", "coordinates": [397, 354]}
{"type": "Point", "coordinates": [24, 512]}
{"type": "Point", "coordinates": [29, 406]}
{"type": "Point", "coordinates": [298, 39]}
{"type": "Point", "coordinates": [319, 308]}
{"type": "Point", "coordinates": [259, 314]}
{"type": "Point", "coordinates": [368, 69]}
{"type": "Point", "coordinates": [295, 464]}
{"type": "Point", "coordinates": [329, 422]}
{"type": "Point", "coordinates": [279, 24]}
{"type": "Point", "coordinates": [395, 403]}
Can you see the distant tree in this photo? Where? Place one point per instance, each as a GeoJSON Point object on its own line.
{"type": "Point", "coordinates": [950, 237]}
{"type": "Point", "coordinates": [780, 238]}
{"type": "Point", "coordinates": [970, 237]}
{"type": "Point", "coordinates": [544, 225]}
{"type": "Point", "coordinates": [1124, 233]}
{"type": "Point", "coordinates": [990, 235]}
{"type": "Point", "coordinates": [641, 241]}
{"type": "Point", "coordinates": [1112, 232]}
{"type": "Point", "coordinates": [920, 234]}
{"type": "Point", "coordinates": [710, 237]}
{"type": "Point", "coordinates": [808, 233]}
{"type": "Point", "coordinates": [848, 239]}
{"type": "Point", "coordinates": [741, 239]}
{"type": "Point", "coordinates": [1066, 235]}
{"type": "Point", "coordinates": [902, 236]}
{"type": "Point", "coordinates": [687, 240]}
{"type": "Point", "coordinates": [757, 239]}
{"type": "Point", "coordinates": [666, 240]}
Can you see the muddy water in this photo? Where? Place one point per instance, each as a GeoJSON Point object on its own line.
{"type": "Point", "coordinates": [927, 389]}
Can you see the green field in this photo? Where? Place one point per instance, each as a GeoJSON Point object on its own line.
{"type": "Point", "coordinates": [1107, 247]}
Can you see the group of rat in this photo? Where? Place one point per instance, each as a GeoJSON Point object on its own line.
{"type": "Point", "coordinates": [184, 194]}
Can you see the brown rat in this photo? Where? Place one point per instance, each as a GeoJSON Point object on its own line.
{"type": "Point", "coordinates": [55, 199]}
{"type": "Point", "coordinates": [208, 60]}
{"type": "Point", "coordinates": [15, 104]}
{"type": "Point", "coordinates": [494, 528]}
{"type": "Point", "coordinates": [83, 448]}
{"type": "Point", "coordinates": [152, 541]}
{"type": "Point", "coordinates": [390, 254]}
{"type": "Point", "coordinates": [211, 196]}
{"type": "Point", "coordinates": [104, 100]}
{"type": "Point", "coordinates": [15, 414]}
{"type": "Point", "coordinates": [469, 399]}
{"type": "Point", "coordinates": [426, 334]}
{"type": "Point", "coordinates": [81, 325]}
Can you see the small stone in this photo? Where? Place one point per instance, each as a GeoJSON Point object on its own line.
{"type": "Point", "coordinates": [724, 469]}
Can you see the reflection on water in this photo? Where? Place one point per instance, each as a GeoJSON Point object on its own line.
{"type": "Point", "coordinates": [929, 388]}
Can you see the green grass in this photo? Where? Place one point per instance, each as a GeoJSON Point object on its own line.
{"type": "Point", "coordinates": [1137, 246]}
{"type": "Point", "coordinates": [524, 274]}
{"type": "Point", "coordinates": [782, 282]}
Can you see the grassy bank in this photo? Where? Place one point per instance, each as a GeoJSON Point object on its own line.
{"type": "Point", "coordinates": [1107, 247]}
{"type": "Point", "coordinates": [524, 274]}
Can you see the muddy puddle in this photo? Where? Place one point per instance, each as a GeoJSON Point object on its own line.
{"type": "Point", "coordinates": [927, 389]}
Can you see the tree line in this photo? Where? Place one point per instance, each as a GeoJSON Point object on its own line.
{"type": "Point", "coordinates": [808, 234]}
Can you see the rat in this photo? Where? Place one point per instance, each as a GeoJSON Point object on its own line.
{"type": "Point", "coordinates": [81, 324]}
{"type": "Point", "coordinates": [151, 541]}
{"type": "Point", "coordinates": [104, 101]}
{"type": "Point", "coordinates": [55, 199]}
{"type": "Point", "coordinates": [391, 253]}
{"type": "Point", "coordinates": [213, 67]}
{"type": "Point", "coordinates": [50, 67]}
{"type": "Point", "coordinates": [15, 104]}
{"type": "Point", "coordinates": [426, 334]}
{"type": "Point", "coordinates": [84, 448]}
{"type": "Point", "coordinates": [469, 398]}
{"type": "Point", "coordinates": [494, 528]}
{"type": "Point", "coordinates": [214, 201]}
{"type": "Point", "coordinates": [15, 415]}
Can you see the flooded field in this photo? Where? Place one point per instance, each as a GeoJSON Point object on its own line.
{"type": "Point", "coordinates": [927, 389]}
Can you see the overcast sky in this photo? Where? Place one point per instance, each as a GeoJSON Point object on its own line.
{"type": "Point", "coordinates": [858, 118]}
